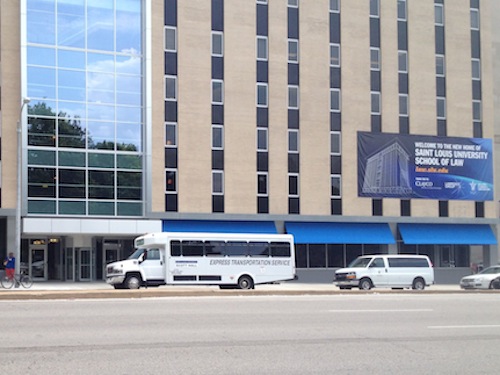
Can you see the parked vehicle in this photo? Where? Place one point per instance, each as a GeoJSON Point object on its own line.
{"type": "Point", "coordinates": [486, 279]}
{"type": "Point", "coordinates": [385, 270]}
{"type": "Point", "coordinates": [225, 259]}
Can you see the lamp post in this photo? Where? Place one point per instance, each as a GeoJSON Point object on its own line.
{"type": "Point", "coordinates": [17, 251]}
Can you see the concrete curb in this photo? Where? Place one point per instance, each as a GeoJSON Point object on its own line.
{"type": "Point", "coordinates": [193, 292]}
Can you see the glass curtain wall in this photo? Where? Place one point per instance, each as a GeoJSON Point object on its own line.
{"type": "Point", "coordinates": [84, 77]}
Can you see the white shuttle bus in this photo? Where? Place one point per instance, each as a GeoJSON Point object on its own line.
{"type": "Point", "coordinates": [225, 259]}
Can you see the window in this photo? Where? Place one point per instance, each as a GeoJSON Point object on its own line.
{"type": "Point", "coordinates": [335, 100]}
{"type": "Point", "coordinates": [439, 14]}
{"type": "Point", "coordinates": [402, 61]}
{"type": "Point", "coordinates": [441, 108]}
{"type": "Point", "coordinates": [293, 185]}
{"type": "Point", "coordinates": [403, 105]}
{"type": "Point", "coordinates": [335, 55]}
{"type": "Point", "coordinates": [261, 139]}
{"type": "Point", "coordinates": [335, 6]}
{"type": "Point", "coordinates": [170, 39]}
{"type": "Point", "coordinates": [335, 187]}
{"type": "Point", "coordinates": [217, 92]}
{"type": "Point", "coordinates": [262, 48]}
{"type": "Point", "coordinates": [171, 180]}
{"type": "Point", "coordinates": [293, 3]}
{"type": "Point", "coordinates": [476, 110]}
{"type": "Point", "coordinates": [375, 58]}
{"type": "Point", "coordinates": [217, 43]}
{"type": "Point", "coordinates": [217, 182]}
{"type": "Point", "coordinates": [262, 184]}
{"type": "Point", "coordinates": [293, 97]}
{"type": "Point", "coordinates": [170, 88]}
{"type": "Point", "coordinates": [374, 8]}
{"type": "Point", "coordinates": [293, 141]}
{"type": "Point", "coordinates": [474, 19]}
{"type": "Point", "coordinates": [375, 108]}
{"type": "Point", "coordinates": [440, 66]}
{"type": "Point", "coordinates": [476, 69]}
{"type": "Point", "coordinates": [170, 134]}
{"type": "Point", "coordinates": [262, 94]}
{"type": "Point", "coordinates": [402, 10]}
{"type": "Point", "coordinates": [293, 51]}
{"type": "Point", "coordinates": [335, 143]}
{"type": "Point", "coordinates": [217, 137]}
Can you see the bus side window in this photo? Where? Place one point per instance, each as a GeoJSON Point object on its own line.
{"type": "Point", "coordinates": [258, 249]}
{"type": "Point", "coordinates": [192, 248]}
{"type": "Point", "coordinates": [214, 248]}
{"type": "Point", "coordinates": [175, 248]}
{"type": "Point", "coordinates": [280, 249]}
{"type": "Point", "coordinates": [236, 248]}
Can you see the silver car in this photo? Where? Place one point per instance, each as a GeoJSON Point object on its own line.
{"type": "Point", "coordinates": [482, 280]}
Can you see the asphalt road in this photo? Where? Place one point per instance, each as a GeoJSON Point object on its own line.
{"type": "Point", "coordinates": [324, 334]}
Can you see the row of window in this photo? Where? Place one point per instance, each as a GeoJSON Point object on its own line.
{"type": "Point", "coordinates": [230, 248]}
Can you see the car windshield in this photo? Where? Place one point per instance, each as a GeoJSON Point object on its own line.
{"type": "Point", "coordinates": [136, 254]}
{"type": "Point", "coordinates": [490, 270]}
{"type": "Point", "coordinates": [360, 263]}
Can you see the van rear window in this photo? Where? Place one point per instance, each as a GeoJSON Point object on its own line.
{"type": "Point", "coordinates": [408, 262]}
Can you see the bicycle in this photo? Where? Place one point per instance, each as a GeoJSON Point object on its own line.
{"type": "Point", "coordinates": [19, 278]}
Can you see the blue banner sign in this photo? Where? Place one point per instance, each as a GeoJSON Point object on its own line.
{"type": "Point", "coordinates": [421, 166]}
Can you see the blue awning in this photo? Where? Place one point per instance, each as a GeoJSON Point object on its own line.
{"type": "Point", "coordinates": [219, 226]}
{"type": "Point", "coordinates": [340, 233]}
{"type": "Point", "coordinates": [447, 234]}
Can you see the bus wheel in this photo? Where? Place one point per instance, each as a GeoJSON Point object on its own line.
{"type": "Point", "coordinates": [133, 282]}
{"type": "Point", "coordinates": [245, 282]}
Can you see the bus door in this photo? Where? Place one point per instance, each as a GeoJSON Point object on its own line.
{"type": "Point", "coordinates": [153, 266]}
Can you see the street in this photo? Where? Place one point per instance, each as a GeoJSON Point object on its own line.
{"type": "Point", "coordinates": [351, 334]}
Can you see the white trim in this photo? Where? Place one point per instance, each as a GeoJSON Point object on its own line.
{"type": "Point", "coordinates": [266, 40]}
{"type": "Point", "coordinates": [296, 42]}
{"type": "Point", "coordinates": [266, 133]}
{"type": "Point", "coordinates": [221, 34]}
{"type": "Point", "coordinates": [175, 39]}
{"type": "Point", "coordinates": [339, 177]}
{"type": "Point", "coordinates": [257, 97]}
{"type": "Point", "coordinates": [266, 175]}
{"type": "Point", "coordinates": [90, 226]}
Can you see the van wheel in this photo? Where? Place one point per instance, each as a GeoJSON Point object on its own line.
{"type": "Point", "coordinates": [365, 284]}
{"type": "Point", "coordinates": [418, 284]}
{"type": "Point", "coordinates": [245, 282]}
{"type": "Point", "coordinates": [133, 282]}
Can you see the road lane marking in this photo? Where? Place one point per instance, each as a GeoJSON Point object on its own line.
{"type": "Point", "coordinates": [465, 326]}
{"type": "Point", "coordinates": [381, 310]}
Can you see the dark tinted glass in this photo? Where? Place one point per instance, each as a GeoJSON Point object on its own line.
{"type": "Point", "coordinates": [403, 83]}
{"type": "Point", "coordinates": [217, 67]}
{"type": "Point", "coordinates": [280, 249]}
{"type": "Point", "coordinates": [475, 44]}
{"type": "Point", "coordinates": [301, 256]}
{"type": "Point", "coordinates": [293, 119]}
{"type": "Point", "coordinates": [376, 123]}
{"type": "Point", "coordinates": [263, 205]}
{"type": "Point", "coordinates": [171, 202]}
{"type": "Point", "coordinates": [334, 27]}
{"type": "Point", "coordinates": [440, 86]}
{"type": "Point", "coordinates": [335, 121]}
{"type": "Point", "coordinates": [192, 248]}
{"type": "Point", "coordinates": [175, 248]}
{"type": "Point", "coordinates": [374, 32]}
{"type": "Point", "coordinates": [335, 256]}
{"type": "Point", "coordinates": [262, 19]}
{"type": "Point", "coordinates": [377, 207]}
{"type": "Point", "coordinates": [335, 78]}
{"type": "Point", "coordinates": [171, 12]}
{"type": "Point", "coordinates": [218, 15]}
{"type": "Point", "coordinates": [440, 45]}
{"type": "Point", "coordinates": [402, 36]}
{"type": "Point", "coordinates": [375, 80]}
{"type": "Point", "coordinates": [293, 23]}
{"type": "Point", "coordinates": [217, 114]}
{"type": "Point", "coordinates": [170, 111]}
{"type": "Point", "coordinates": [443, 208]}
{"type": "Point", "coordinates": [479, 209]}
{"type": "Point", "coordinates": [335, 164]}
{"type": "Point", "coordinates": [476, 90]}
{"type": "Point", "coordinates": [441, 128]}
{"type": "Point", "coordinates": [477, 129]}
{"type": "Point", "coordinates": [293, 206]}
{"type": "Point", "coordinates": [293, 74]}
{"type": "Point", "coordinates": [262, 71]}
{"type": "Point", "coordinates": [336, 206]}
{"type": "Point", "coordinates": [256, 249]}
{"type": "Point", "coordinates": [405, 208]}
{"type": "Point", "coordinates": [171, 158]}
{"type": "Point", "coordinates": [214, 248]}
{"type": "Point", "coordinates": [404, 125]}
{"type": "Point", "coordinates": [262, 162]}
{"type": "Point", "coordinates": [293, 163]}
{"type": "Point", "coordinates": [262, 117]}
{"type": "Point", "coordinates": [408, 262]}
{"type": "Point", "coordinates": [171, 63]}
{"type": "Point", "coordinates": [217, 203]}
{"type": "Point", "coordinates": [218, 159]}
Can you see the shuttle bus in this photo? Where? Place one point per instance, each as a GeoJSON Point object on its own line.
{"type": "Point", "coordinates": [228, 260]}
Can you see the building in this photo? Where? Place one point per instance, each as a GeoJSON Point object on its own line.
{"type": "Point", "coordinates": [240, 115]}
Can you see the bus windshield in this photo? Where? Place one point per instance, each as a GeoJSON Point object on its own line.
{"type": "Point", "coordinates": [136, 254]}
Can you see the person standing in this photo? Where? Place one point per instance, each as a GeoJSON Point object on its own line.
{"type": "Point", "coordinates": [10, 265]}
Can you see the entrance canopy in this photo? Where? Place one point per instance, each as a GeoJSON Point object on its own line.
{"type": "Point", "coordinates": [219, 226]}
{"type": "Point", "coordinates": [340, 233]}
{"type": "Point", "coordinates": [447, 234]}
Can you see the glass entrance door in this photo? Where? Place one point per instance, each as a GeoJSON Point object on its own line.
{"type": "Point", "coordinates": [38, 262]}
{"type": "Point", "coordinates": [85, 263]}
{"type": "Point", "coordinates": [111, 254]}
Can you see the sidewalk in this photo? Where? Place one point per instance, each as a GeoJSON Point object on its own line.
{"type": "Point", "coordinates": [99, 289]}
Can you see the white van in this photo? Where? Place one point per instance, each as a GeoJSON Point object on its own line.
{"type": "Point", "coordinates": [389, 271]}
